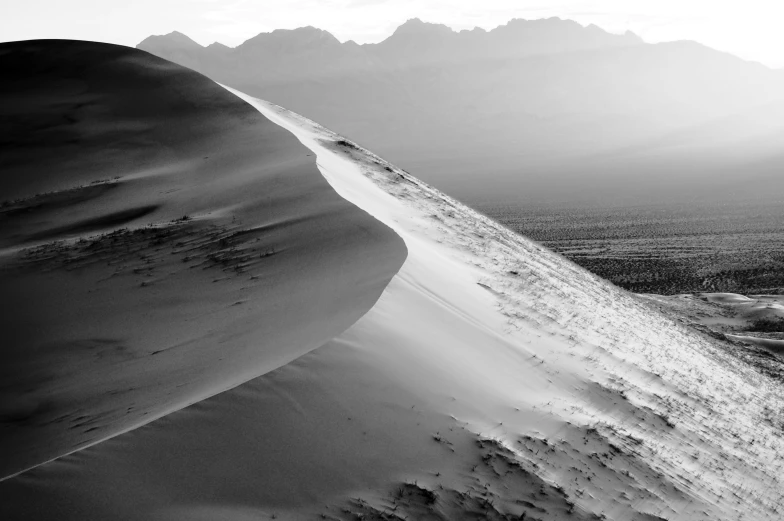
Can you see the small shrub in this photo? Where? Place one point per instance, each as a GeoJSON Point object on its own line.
{"type": "Point", "coordinates": [347, 144]}
{"type": "Point", "coordinates": [767, 325]}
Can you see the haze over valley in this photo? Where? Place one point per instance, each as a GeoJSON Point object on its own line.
{"type": "Point", "coordinates": [544, 121]}
{"type": "Point", "coordinates": [532, 111]}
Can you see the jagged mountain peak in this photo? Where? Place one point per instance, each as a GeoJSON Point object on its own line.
{"type": "Point", "coordinates": [475, 30]}
{"type": "Point", "coordinates": [292, 39]}
{"type": "Point", "coordinates": [537, 36]}
{"type": "Point", "coordinates": [634, 36]}
{"type": "Point", "coordinates": [553, 20]}
{"type": "Point", "coordinates": [173, 38]}
{"type": "Point", "coordinates": [417, 26]}
{"type": "Point", "coordinates": [556, 26]}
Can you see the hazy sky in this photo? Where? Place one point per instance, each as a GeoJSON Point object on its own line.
{"type": "Point", "coordinates": [748, 28]}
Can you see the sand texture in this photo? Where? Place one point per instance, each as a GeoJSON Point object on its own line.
{"type": "Point", "coordinates": [161, 242]}
{"type": "Point", "coordinates": [492, 379]}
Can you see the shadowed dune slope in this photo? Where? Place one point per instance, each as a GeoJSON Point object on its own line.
{"type": "Point", "coordinates": [160, 241]}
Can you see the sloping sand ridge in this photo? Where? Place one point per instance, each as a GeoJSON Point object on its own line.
{"type": "Point", "coordinates": [491, 380]}
{"type": "Point", "coordinates": [161, 242]}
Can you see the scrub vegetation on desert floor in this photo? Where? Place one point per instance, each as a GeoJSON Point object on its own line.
{"type": "Point", "coordinates": [666, 249]}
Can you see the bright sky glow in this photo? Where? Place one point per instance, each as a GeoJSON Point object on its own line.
{"type": "Point", "coordinates": [747, 28]}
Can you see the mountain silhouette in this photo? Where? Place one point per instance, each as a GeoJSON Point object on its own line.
{"type": "Point", "coordinates": [532, 110]}
{"type": "Point", "coordinates": [417, 42]}
{"type": "Point", "coordinates": [177, 48]}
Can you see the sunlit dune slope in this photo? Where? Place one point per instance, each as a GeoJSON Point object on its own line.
{"type": "Point", "coordinates": [492, 380]}
{"type": "Point", "coordinates": [160, 241]}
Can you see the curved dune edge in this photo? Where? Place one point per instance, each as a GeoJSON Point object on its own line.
{"type": "Point", "coordinates": [161, 242]}
{"type": "Point", "coordinates": [491, 379]}
{"type": "Point", "coordinates": [509, 309]}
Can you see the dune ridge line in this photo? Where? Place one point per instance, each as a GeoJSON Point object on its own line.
{"type": "Point", "coordinates": [162, 242]}
{"type": "Point", "coordinates": [523, 347]}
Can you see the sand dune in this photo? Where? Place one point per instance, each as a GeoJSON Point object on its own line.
{"type": "Point", "coordinates": [161, 242]}
{"type": "Point", "coordinates": [774, 345]}
{"type": "Point", "coordinates": [491, 380]}
{"type": "Point", "coordinates": [756, 320]}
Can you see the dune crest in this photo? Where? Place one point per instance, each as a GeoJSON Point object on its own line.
{"type": "Point", "coordinates": [161, 242]}
{"type": "Point", "coordinates": [492, 379]}
{"type": "Point", "coordinates": [502, 324]}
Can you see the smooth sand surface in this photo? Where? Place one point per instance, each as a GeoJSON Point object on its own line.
{"type": "Point", "coordinates": [116, 309]}
{"type": "Point", "coordinates": [491, 380]}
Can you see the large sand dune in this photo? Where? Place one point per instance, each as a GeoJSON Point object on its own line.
{"type": "Point", "coordinates": [161, 242]}
{"type": "Point", "coordinates": [491, 380]}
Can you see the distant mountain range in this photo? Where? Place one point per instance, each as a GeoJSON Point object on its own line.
{"type": "Point", "coordinates": [544, 110]}
{"type": "Point", "coordinates": [414, 43]}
